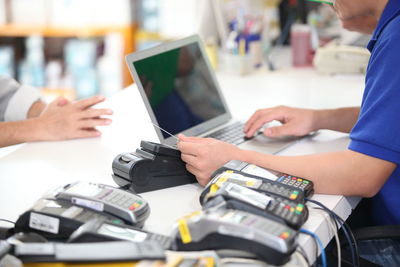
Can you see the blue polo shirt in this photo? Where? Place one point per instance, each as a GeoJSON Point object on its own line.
{"type": "Point", "coordinates": [377, 131]}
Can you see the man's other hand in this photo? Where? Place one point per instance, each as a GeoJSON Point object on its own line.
{"type": "Point", "coordinates": [295, 122]}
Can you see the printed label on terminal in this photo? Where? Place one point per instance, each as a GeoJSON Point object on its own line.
{"type": "Point", "coordinates": [94, 205]}
{"type": "Point", "coordinates": [239, 179]}
{"type": "Point", "coordinates": [184, 231]}
{"type": "Point", "coordinates": [44, 223]}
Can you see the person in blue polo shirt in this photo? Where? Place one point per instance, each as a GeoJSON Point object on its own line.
{"type": "Point", "coordinates": [372, 158]}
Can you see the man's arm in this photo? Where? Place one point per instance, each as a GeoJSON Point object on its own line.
{"type": "Point", "coordinates": [341, 119]}
{"type": "Point", "coordinates": [345, 172]}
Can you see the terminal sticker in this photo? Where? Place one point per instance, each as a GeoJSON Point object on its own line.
{"type": "Point", "coordinates": [184, 231]}
{"type": "Point", "coordinates": [44, 223]}
{"type": "Point", "coordinates": [222, 179]}
{"type": "Point", "coordinates": [214, 188]}
{"type": "Point", "coordinates": [94, 205]}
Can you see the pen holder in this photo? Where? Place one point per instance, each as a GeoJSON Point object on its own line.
{"type": "Point", "coordinates": [236, 64]}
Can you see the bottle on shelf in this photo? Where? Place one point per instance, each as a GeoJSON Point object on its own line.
{"type": "Point", "coordinates": [109, 66]}
{"type": "Point", "coordinates": [31, 68]}
{"type": "Point", "coordinates": [80, 59]}
{"type": "Point", "coordinates": [6, 61]}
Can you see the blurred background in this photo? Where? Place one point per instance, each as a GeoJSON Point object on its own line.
{"type": "Point", "coordinates": [76, 48]}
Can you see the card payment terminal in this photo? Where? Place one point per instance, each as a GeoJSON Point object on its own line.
{"type": "Point", "coordinates": [305, 185]}
{"type": "Point", "coordinates": [257, 183]}
{"type": "Point", "coordinates": [129, 207]}
{"type": "Point", "coordinates": [233, 196]}
{"type": "Point", "coordinates": [237, 230]}
{"type": "Point", "coordinates": [57, 220]}
{"type": "Point", "coordinates": [151, 167]}
{"type": "Point", "coordinates": [99, 231]}
{"type": "Point", "coordinates": [102, 252]}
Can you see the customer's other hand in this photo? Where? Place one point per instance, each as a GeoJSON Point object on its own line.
{"type": "Point", "coordinates": [203, 156]}
{"type": "Point", "coordinates": [295, 121]}
{"type": "Point", "coordinates": [62, 119]}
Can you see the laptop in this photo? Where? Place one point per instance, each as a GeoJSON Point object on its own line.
{"type": "Point", "coordinates": [181, 93]}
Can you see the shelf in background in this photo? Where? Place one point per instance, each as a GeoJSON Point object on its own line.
{"type": "Point", "coordinates": [146, 35]}
{"type": "Point", "coordinates": [22, 31]}
{"type": "Point", "coordinates": [51, 93]}
{"type": "Point", "coordinates": [128, 33]}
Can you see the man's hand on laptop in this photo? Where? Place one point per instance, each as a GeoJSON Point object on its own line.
{"type": "Point", "coordinates": [203, 156]}
{"type": "Point", "coordinates": [295, 122]}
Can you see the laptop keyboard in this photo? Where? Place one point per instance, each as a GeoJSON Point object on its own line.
{"type": "Point", "coordinates": [232, 133]}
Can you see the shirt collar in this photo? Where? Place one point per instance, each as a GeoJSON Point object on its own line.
{"type": "Point", "coordinates": [391, 10]}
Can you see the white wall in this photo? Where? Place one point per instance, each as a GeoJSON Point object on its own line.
{"type": "Point", "coordinates": [178, 18]}
{"type": "Point", "coordinates": [2, 12]}
{"type": "Point", "coordinates": [106, 13]}
{"type": "Point", "coordinates": [70, 13]}
{"type": "Point", "coordinates": [29, 12]}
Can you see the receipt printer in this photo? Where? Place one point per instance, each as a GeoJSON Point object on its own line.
{"type": "Point", "coordinates": [153, 166]}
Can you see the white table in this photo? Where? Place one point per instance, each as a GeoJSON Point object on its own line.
{"type": "Point", "coordinates": [31, 169]}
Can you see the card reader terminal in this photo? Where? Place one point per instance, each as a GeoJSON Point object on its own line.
{"type": "Point", "coordinates": [305, 185]}
{"type": "Point", "coordinates": [237, 230]}
{"type": "Point", "coordinates": [98, 231]}
{"type": "Point", "coordinates": [151, 167]}
{"type": "Point", "coordinates": [57, 219]}
{"type": "Point", "coordinates": [257, 183]}
{"type": "Point", "coordinates": [131, 208]}
{"type": "Point", "coordinates": [116, 251]}
{"type": "Point", "coordinates": [234, 196]}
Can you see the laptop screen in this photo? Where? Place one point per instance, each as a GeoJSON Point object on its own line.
{"type": "Point", "coordinates": [179, 88]}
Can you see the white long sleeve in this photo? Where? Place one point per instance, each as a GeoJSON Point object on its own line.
{"type": "Point", "coordinates": [15, 99]}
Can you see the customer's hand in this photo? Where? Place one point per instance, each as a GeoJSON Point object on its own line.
{"type": "Point", "coordinates": [295, 122]}
{"type": "Point", "coordinates": [62, 119]}
{"type": "Point", "coordinates": [203, 156]}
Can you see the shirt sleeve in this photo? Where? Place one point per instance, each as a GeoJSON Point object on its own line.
{"type": "Point", "coordinates": [377, 131]}
{"type": "Point", "coordinates": [16, 99]}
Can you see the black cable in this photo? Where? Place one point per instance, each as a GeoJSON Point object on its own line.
{"type": "Point", "coordinates": [348, 233]}
{"type": "Point", "coordinates": [337, 228]}
{"type": "Point", "coordinates": [346, 230]}
{"type": "Point", "coordinates": [354, 243]}
{"type": "Point", "coordinates": [335, 222]}
{"type": "Point", "coordinates": [8, 221]}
